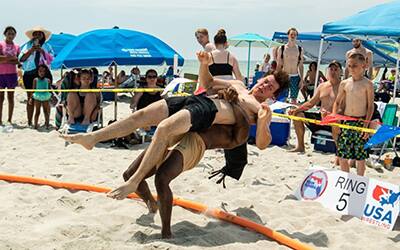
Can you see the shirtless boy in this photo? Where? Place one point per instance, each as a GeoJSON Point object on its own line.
{"type": "Point", "coordinates": [357, 95]}
{"type": "Point", "coordinates": [326, 94]}
{"type": "Point", "coordinates": [177, 115]}
{"type": "Point", "coordinates": [290, 59]}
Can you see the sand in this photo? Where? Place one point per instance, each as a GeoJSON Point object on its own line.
{"type": "Point", "coordinates": [40, 217]}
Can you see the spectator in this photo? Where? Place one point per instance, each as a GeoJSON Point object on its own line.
{"type": "Point", "coordinates": [142, 99]}
{"type": "Point", "coordinates": [9, 52]}
{"type": "Point", "coordinates": [41, 99]}
{"type": "Point", "coordinates": [35, 52]}
{"type": "Point", "coordinates": [309, 80]}
{"type": "Point", "coordinates": [266, 66]}
{"type": "Point", "coordinates": [83, 106]}
{"type": "Point", "coordinates": [121, 77]}
{"type": "Point", "coordinates": [223, 64]}
{"type": "Point", "coordinates": [204, 40]}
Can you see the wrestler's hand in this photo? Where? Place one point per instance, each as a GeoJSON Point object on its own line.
{"type": "Point", "coordinates": [230, 94]}
{"type": "Point", "coordinates": [265, 113]}
{"type": "Point", "coordinates": [203, 57]}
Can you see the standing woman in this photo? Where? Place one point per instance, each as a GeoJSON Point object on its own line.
{"type": "Point", "coordinates": [223, 63]}
{"type": "Point", "coordinates": [9, 52]}
{"type": "Point", "coordinates": [34, 53]}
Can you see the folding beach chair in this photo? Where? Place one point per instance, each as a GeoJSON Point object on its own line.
{"type": "Point", "coordinates": [62, 115]}
{"type": "Point", "coordinates": [389, 118]}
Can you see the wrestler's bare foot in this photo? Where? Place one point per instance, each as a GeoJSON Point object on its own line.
{"type": "Point", "coordinates": [152, 206]}
{"type": "Point", "coordinates": [86, 140]}
{"type": "Point", "coordinates": [123, 191]}
{"type": "Point", "coordinates": [297, 150]}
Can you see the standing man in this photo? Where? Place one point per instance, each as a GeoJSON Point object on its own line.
{"type": "Point", "coordinates": [204, 40]}
{"type": "Point", "coordinates": [360, 49]}
{"type": "Point", "coordinates": [325, 94]}
{"type": "Point", "coordinates": [290, 59]}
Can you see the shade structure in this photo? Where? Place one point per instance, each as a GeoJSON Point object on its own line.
{"type": "Point", "coordinates": [335, 48]}
{"type": "Point", "coordinates": [250, 40]}
{"type": "Point", "coordinates": [378, 23]}
{"type": "Point", "coordinates": [104, 47]}
{"type": "Point", "coordinates": [59, 41]}
{"type": "Point", "coordinates": [381, 21]}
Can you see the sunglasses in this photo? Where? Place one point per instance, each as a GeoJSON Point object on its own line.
{"type": "Point", "coordinates": [151, 76]}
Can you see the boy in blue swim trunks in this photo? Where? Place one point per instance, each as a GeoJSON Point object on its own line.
{"type": "Point", "coordinates": [356, 95]}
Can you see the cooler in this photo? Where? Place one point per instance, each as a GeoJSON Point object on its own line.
{"type": "Point", "coordinates": [323, 141]}
{"type": "Point", "coordinates": [108, 96]}
{"type": "Point", "coordinates": [280, 131]}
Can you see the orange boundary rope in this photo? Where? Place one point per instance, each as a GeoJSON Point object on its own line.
{"type": "Point", "coordinates": [201, 208]}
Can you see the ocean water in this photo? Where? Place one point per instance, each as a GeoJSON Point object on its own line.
{"type": "Point", "coordinates": [190, 66]}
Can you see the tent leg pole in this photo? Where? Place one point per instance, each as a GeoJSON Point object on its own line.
{"type": "Point", "coordinates": [115, 94]}
{"type": "Point", "coordinates": [397, 74]}
{"type": "Point", "coordinates": [318, 64]}
{"type": "Point", "coordinates": [248, 64]}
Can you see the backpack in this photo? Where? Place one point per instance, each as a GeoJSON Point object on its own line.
{"type": "Point", "coordinates": [300, 50]}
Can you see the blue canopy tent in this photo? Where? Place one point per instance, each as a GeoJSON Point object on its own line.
{"type": "Point", "coordinates": [335, 48]}
{"type": "Point", "coordinates": [105, 47]}
{"type": "Point", "coordinates": [251, 40]}
{"type": "Point", "coordinates": [59, 41]}
{"type": "Point", "coordinates": [380, 23]}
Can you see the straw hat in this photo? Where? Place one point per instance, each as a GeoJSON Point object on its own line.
{"type": "Point", "coordinates": [30, 32]}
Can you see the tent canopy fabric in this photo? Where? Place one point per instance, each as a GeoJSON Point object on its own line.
{"type": "Point", "coordinates": [334, 48]}
{"type": "Point", "coordinates": [381, 21]}
{"type": "Point", "coordinates": [59, 41]}
{"type": "Point", "coordinates": [104, 47]}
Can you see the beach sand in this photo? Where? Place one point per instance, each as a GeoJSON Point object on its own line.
{"type": "Point", "coordinates": [40, 217]}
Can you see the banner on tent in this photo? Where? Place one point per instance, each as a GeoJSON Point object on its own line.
{"type": "Point", "coordinates": [374, 202]}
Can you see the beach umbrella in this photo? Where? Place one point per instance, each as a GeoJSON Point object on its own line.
{"type": "Point", "coordinates": [251, 40]}
{"type": "Point", "coordinates": [59, 41]}
{"type": "Point", "coordinates": [105, 47]}
{"type": "Point", "coordinates": [379, 23]}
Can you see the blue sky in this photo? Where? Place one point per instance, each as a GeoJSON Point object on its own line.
{"type": "Point", "coordinates": [174, 21]}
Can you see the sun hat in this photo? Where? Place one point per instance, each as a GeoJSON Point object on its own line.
{"type": "Point", "coordinates": [30, 32]}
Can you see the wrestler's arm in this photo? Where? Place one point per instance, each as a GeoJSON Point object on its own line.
{"type": "Point", "coordinates": [263, 134]}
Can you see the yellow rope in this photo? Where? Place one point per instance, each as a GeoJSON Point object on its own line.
{"type": "Point", "coordinates": [86, 90]}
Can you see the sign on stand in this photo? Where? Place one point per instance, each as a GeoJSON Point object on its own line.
{"type": "Point", "coordinates": [374, 202]}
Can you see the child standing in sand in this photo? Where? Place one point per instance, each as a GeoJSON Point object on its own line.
{"type": "Point", "coordinates": [41, 99]}
{"type": "Point", "coordinates": [356, 94]}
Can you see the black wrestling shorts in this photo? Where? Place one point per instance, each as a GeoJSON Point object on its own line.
{"type": "Point", "coordinates": [202, 110]}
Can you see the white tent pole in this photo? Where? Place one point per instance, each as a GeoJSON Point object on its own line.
{"type": "Point", "coordinates": [175, 65]}
{"type": "Point", "coordinates": [397, 73]}
{"type": "Point", "coordinates": [318, 63]}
